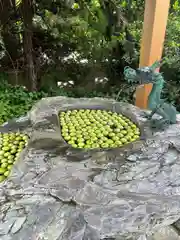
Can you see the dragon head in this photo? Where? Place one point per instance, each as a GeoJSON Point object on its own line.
{"type": "Point", "coordinates": [143, 75]}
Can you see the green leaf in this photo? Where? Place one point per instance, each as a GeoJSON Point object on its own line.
{"type": "Point", "coordinates": [18, 2]}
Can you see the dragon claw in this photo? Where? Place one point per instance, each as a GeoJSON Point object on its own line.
{"type": "Point", "coordinates": [159, 125]}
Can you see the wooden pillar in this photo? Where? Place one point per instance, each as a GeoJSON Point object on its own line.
{"type": "Point", "coordinates": [155, 21]}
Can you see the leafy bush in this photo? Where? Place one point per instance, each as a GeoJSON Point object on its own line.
{"type": "Point", "coordinates": [17, 101]}
{"type": "Point", "coordinates": [171, 55]}
{"type": "Point", "coordinates": [60, 30]}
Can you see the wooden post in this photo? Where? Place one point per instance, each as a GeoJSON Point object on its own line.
{"type": "Point", "coordinates": [155, 21]}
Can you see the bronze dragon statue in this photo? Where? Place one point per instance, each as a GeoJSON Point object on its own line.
{"type": "Point", "coordinates": [157, 105]}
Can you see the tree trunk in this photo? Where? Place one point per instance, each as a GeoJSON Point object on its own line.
{"type": "Point", "coordinates": [27, 13]}
{"type": "Point", "coordinates": [9, 36]}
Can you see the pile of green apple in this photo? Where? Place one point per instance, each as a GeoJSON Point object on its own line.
{"type": "Point", "coordinates": [91, 129]}
{"type": "Point", "coordinates": [11, 145]}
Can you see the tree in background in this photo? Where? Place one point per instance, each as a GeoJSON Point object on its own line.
{"type": "Point", "coordinates": [87, 42]}
{"type": "Point", "coordinates": [27, 13]}
{"type": "Point", "coordinates": [30, 28]}
{"type": "Point", "coordinates": [37, 35]}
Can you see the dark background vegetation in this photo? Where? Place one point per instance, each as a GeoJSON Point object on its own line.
{"type": "Point", "coordinates": [76, 48]}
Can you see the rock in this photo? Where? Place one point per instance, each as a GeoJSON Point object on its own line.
{"type": "Point", "coordinates": [18, 224]}
{"type": "Point", "coordinates": [57, 192]}
{"type": "Point", "coordinates": [165, 233]}
{"type": "Point", "coordinates": [5, 226]}
{"type": "Point", "coordinates": [13, 214]}
{"type": "Point", "coordinates": [7, 237]}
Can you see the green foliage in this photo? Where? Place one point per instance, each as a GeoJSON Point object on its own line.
{"type": "Point", "coordinates": [171, 67]}
{"type": "Point", "coordinates": [15, 101]}
{"type": "Point", "coordinates": [105, 33]}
